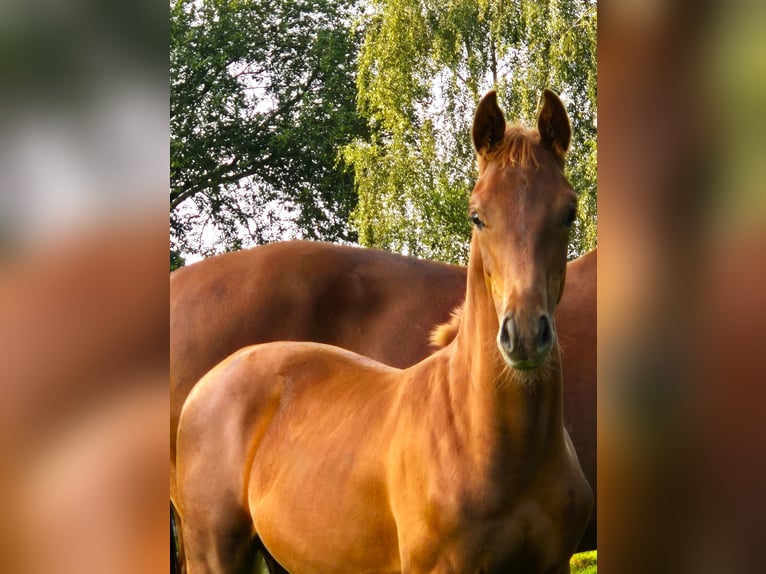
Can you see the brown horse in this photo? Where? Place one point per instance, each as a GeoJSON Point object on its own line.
{"type": "Point", "coordinates": [368, 301]}
{"type": "Point", "coordinates": [336, 463]}
{"type": "Point", "coordinates": [364, 300]}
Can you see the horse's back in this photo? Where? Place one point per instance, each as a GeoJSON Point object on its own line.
{"type": "Point", "coordinates": [299, 290]}
{"type": "Point", "coordinates": [302, 290]}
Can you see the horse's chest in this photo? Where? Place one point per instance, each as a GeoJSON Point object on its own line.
{"type": "Point", "coordinates": [526, 525]}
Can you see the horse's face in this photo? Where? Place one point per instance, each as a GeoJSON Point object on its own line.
{"type": "Point", "coordinates": [522, 209]}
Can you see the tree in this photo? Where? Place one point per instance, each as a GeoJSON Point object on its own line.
{"type": "Point", "coordinates": [422, 69]}
{"type": "Point", "coordinates": [176, 260]}
{"type": "Point", "coordinates": [262, 99]}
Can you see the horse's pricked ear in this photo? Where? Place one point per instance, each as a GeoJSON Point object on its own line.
{"type": "Point", "coordinates": [553, 125]}
{"type": "Point", "coordinates": [488, 124]}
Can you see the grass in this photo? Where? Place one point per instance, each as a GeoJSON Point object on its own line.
{"type": "Point", "coordinates": [583, 563]}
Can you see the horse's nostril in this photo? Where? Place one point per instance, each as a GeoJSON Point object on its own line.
{"type": "Point", "coordinates": [507, 335]}
{"type": "Point", "coordinates": [545, 333]}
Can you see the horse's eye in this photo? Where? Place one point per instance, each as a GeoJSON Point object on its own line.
{"type": "Point", "coordinates": [570, 217]}
{"type": "Point", "coordinates": [476, 220]}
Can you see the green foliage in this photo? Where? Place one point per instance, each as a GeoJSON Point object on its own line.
{"type": "Point", "coordinates": [176, 260]}
{"type": "Point", "coordinates": [265, 94]}
{"type": "Point", "coordinates": [262, 98]}
{"type": "Point", "coordinates": [423, 66]}
{"type": "Point", "coordinates": [584, 563]}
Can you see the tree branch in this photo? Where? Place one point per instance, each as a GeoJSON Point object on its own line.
{"type": "Point", "coordinates": [214, 179]}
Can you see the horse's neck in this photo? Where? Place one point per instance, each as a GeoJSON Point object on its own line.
{"type": "Point", "coordinates": [524, 407]}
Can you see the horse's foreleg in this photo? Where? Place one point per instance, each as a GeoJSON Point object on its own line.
{"type": "Point", "coordinates": [214, 545]}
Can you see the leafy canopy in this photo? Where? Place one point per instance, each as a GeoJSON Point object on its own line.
{"type": "Point", "coordinates": [423, 66]}
{"type": "Point", "coordinates": [350, 120]}
{"type": "Point", "coordinates": [262, 99]}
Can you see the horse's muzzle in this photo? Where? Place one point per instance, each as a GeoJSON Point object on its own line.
{"type": "Point", "coordinates": [526, 344]}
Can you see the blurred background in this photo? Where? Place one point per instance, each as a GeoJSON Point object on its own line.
{"type": "Point", "coordinates": [84, 175]}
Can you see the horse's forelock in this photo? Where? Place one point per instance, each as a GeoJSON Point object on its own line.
{"type": "Point", "coordinates": [516, 149]}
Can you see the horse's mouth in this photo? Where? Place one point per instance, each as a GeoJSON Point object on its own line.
{"type": "Point", "coordinates": [524, 361]}
{"type": "Point", "coordinates": [526, 365]}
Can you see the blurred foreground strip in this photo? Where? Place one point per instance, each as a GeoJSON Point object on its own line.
{"type": "Point", "coordinates": [682, 276]}
{"type": "Point", "coordinates": [83, 287]}
{"type": "Point", "coordinates": [83, 420]}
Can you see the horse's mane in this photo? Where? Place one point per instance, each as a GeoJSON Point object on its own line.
{"type": "Point", "coordinates": [516, 149]}
{"type": "Point", "coordinates": [442, 334]}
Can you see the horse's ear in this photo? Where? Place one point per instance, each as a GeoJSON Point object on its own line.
{"type": "Point", "coordinates": [553, 125]}
{"type": "Point", "coordinates": [488, 124]}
